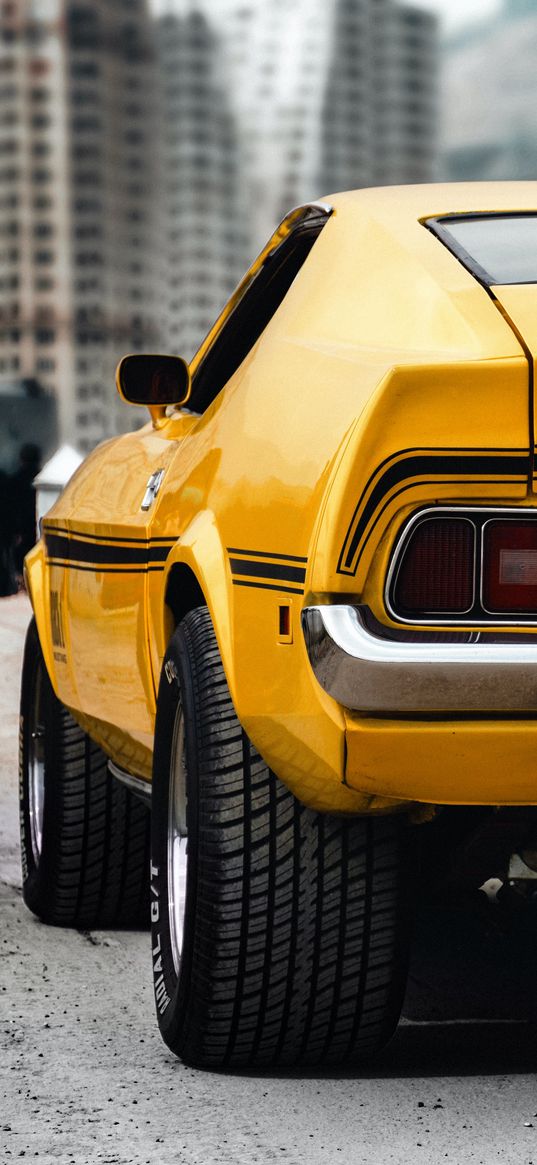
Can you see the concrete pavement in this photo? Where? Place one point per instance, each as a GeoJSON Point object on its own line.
{"type": "Point", "coordinates": [84, 1076]}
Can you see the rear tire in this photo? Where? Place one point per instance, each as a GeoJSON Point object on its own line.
{"type": "Point", "coordinates": [84, 837]}
{"type": "Point", "coordinates": [295, 933]}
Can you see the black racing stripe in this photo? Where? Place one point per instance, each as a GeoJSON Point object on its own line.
{"type": "Point", "coordinates": [74, 550]}
{"type": "Point", "coordinates": [420, 466]}
{"type": "Point", "coordinates": [111, 539]}
{"type": "Point", "coordinates": [105, 569]}
{"type": "Point", "coordinates": [415, 485]}
{"type": "Point", "coordinates": [237, 582]}
{"type": "Point", "coordinates": [266, 554]}
{"type": "Point", "coordinates": [268, 570]}
{"type": "Point", "coordinates": [400, 454]}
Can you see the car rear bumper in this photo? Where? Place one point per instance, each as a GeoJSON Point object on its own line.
{"type": "Point", "coordinates": [490, 761]}
{"type": "Point", "coordinates": [381, 677]}
{"type": "Point", "coordinates": [426, 722]}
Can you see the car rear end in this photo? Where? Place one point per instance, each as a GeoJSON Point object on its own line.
{"type": "Point", "coordinates": [425, 628]}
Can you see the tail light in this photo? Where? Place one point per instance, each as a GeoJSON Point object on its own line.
{"type": "Point", "coordinates": [478, 566]}
{"type": "Point", "coordinates": [510, 566]}
{"type": "Point", "coordinates": [437, 569]}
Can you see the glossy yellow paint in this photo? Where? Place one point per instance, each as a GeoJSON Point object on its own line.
{"type": "Point", "coordinates": [519, 305]}
{"type": "Point", "coordinates": [465, 762]}
{"type": "Point", "coordinates": [385, 373]}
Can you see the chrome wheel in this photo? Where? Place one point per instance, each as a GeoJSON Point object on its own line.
{"type": "Point", "coordinates": [36, 769]}
{"type": "Point", "coordinates": [177, 840]}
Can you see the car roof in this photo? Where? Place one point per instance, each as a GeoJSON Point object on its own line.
{"type": "Point", "coordinates": [379, 280]}
{"type": "Point", "coordinates": [412, 294]}
{"type": "Point", "coordinates": [392, 204]}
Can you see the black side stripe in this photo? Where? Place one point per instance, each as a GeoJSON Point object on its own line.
{"type": "Point", "coordinates": [424, 465]}
{"type": "Point", "coordinates": [267, 587]}
{"type": "Point", "coordinates": [415, 485]}
{"type": "Point", "coordinates": [76, 550]}
{"type": "Point", "coordinates": [265, 554]}
{"type": "Point", "coordinates": [106, 569]}
{"type": "Point", "coordinates": [109, 538]}
{"type": "Point", "coordinates": [267, 570]}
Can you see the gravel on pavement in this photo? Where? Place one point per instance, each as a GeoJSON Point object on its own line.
{"type": "Point", "coordinates": [85, 1077]}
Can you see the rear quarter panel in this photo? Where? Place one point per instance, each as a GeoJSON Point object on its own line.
{"type": "Point", "coordinates": [340, 381]}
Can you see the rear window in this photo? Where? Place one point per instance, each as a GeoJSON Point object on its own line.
{"type": "Point", "coordinates": [496, 248]}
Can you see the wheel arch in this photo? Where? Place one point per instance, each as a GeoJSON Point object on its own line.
{"type": "Point", "coordinates": [197, 575]}
{"type": "Point", "coordinates": [307, 754]}
{"type": "Point", "coordinates": [183, 592]}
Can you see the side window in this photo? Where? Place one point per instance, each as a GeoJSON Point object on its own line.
{"type": "Point", "coordinates": [254, 311]}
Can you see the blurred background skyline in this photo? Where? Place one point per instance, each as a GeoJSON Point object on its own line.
{"type": "Point", "coordinates": [457, 13]}
{"type": "Point", "coordinates": [453, 15]}
{"type": "Point", "coordinates": [149, 147]}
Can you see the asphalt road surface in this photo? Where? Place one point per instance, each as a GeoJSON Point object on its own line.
{"type": "Point", "coordinates": [84, 1076]}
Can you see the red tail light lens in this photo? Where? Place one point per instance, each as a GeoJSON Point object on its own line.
{"type": "Point", "coordinates": [436, 574]}
{"type": "Point", "coordinates": [510, 566]}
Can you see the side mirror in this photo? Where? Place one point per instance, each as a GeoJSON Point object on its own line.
{"type": "Point", "coordinates": [155, 381]}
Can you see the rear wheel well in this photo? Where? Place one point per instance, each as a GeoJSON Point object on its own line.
{"type": "Point", "coordinates": [183, 592]}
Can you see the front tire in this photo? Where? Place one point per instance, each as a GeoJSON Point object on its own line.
{"type": "Point", "coordinates": [295, 924]}
{"type": "Point", "coordinates": [84, 837]}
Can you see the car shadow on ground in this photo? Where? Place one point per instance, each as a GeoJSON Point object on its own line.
{"type": "Point", "coordinates": [471, 1004]}
{"type": "Point", "coordinates": [473, 958]}
{"type": "Point", "coordinates": [481, 1048]}
{"type": "Point", "coordinates": [471, 1001]}
{"type": "Point", "coordinates": [454, 1048]}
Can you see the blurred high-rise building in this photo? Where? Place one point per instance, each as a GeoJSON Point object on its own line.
{"type": "Point", "coordinates": [490, 97]}
{"type": "Point", "coordinates": [145, 157]}
{"type": "Point", "coordinates": [77, 185]}
{"type": "Point", "coordinates": [332, 95]}
{"type": "Point", "coordinates": [269, 104]}
{"type": "Point", "coordinates": [204, 223]}
{"type": "Point", "coordinates": [379, 119]}
{"type": "Point", "coordinates": [407, 97]}
{"type": "Point", "coordinates": [241, 108]}
{"type": "Point", "coordinates": [277, 56]}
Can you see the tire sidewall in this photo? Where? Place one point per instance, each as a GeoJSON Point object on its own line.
{"type": "Point", "coordinates": [175, 698]}
{"type": "Point", "coordinates": [37, 871]}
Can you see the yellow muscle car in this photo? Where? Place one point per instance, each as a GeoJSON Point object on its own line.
{"type": "Point", "coordinates": [297, 614]}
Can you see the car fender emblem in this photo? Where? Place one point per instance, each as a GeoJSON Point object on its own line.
{"type": "Point", "coordinates": [153, 485]}
{"type": "Point", "coordinates": [170, 671]}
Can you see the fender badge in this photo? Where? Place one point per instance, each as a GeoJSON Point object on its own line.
{"type": "Point", "coordinates": [170, 671]}
{"type": "Point", "coordinates": [153, 485]}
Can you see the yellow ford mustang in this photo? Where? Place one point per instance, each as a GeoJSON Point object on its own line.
{"type": "Point", "coordinates": [298, 612]}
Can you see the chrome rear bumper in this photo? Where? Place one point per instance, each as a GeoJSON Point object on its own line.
{"type": "Point", "coordinates": [368, 674]}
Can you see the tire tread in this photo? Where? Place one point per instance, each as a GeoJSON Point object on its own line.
{"type": "Point", "coordinates": [300, 933]}
{"type": "Point", "coordinates": [94, 866]}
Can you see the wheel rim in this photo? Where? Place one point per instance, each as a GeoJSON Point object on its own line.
{"type": "Point", "coordinates": [177, 840]}
{"type": "Point", "coordinates": [36, 769]}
